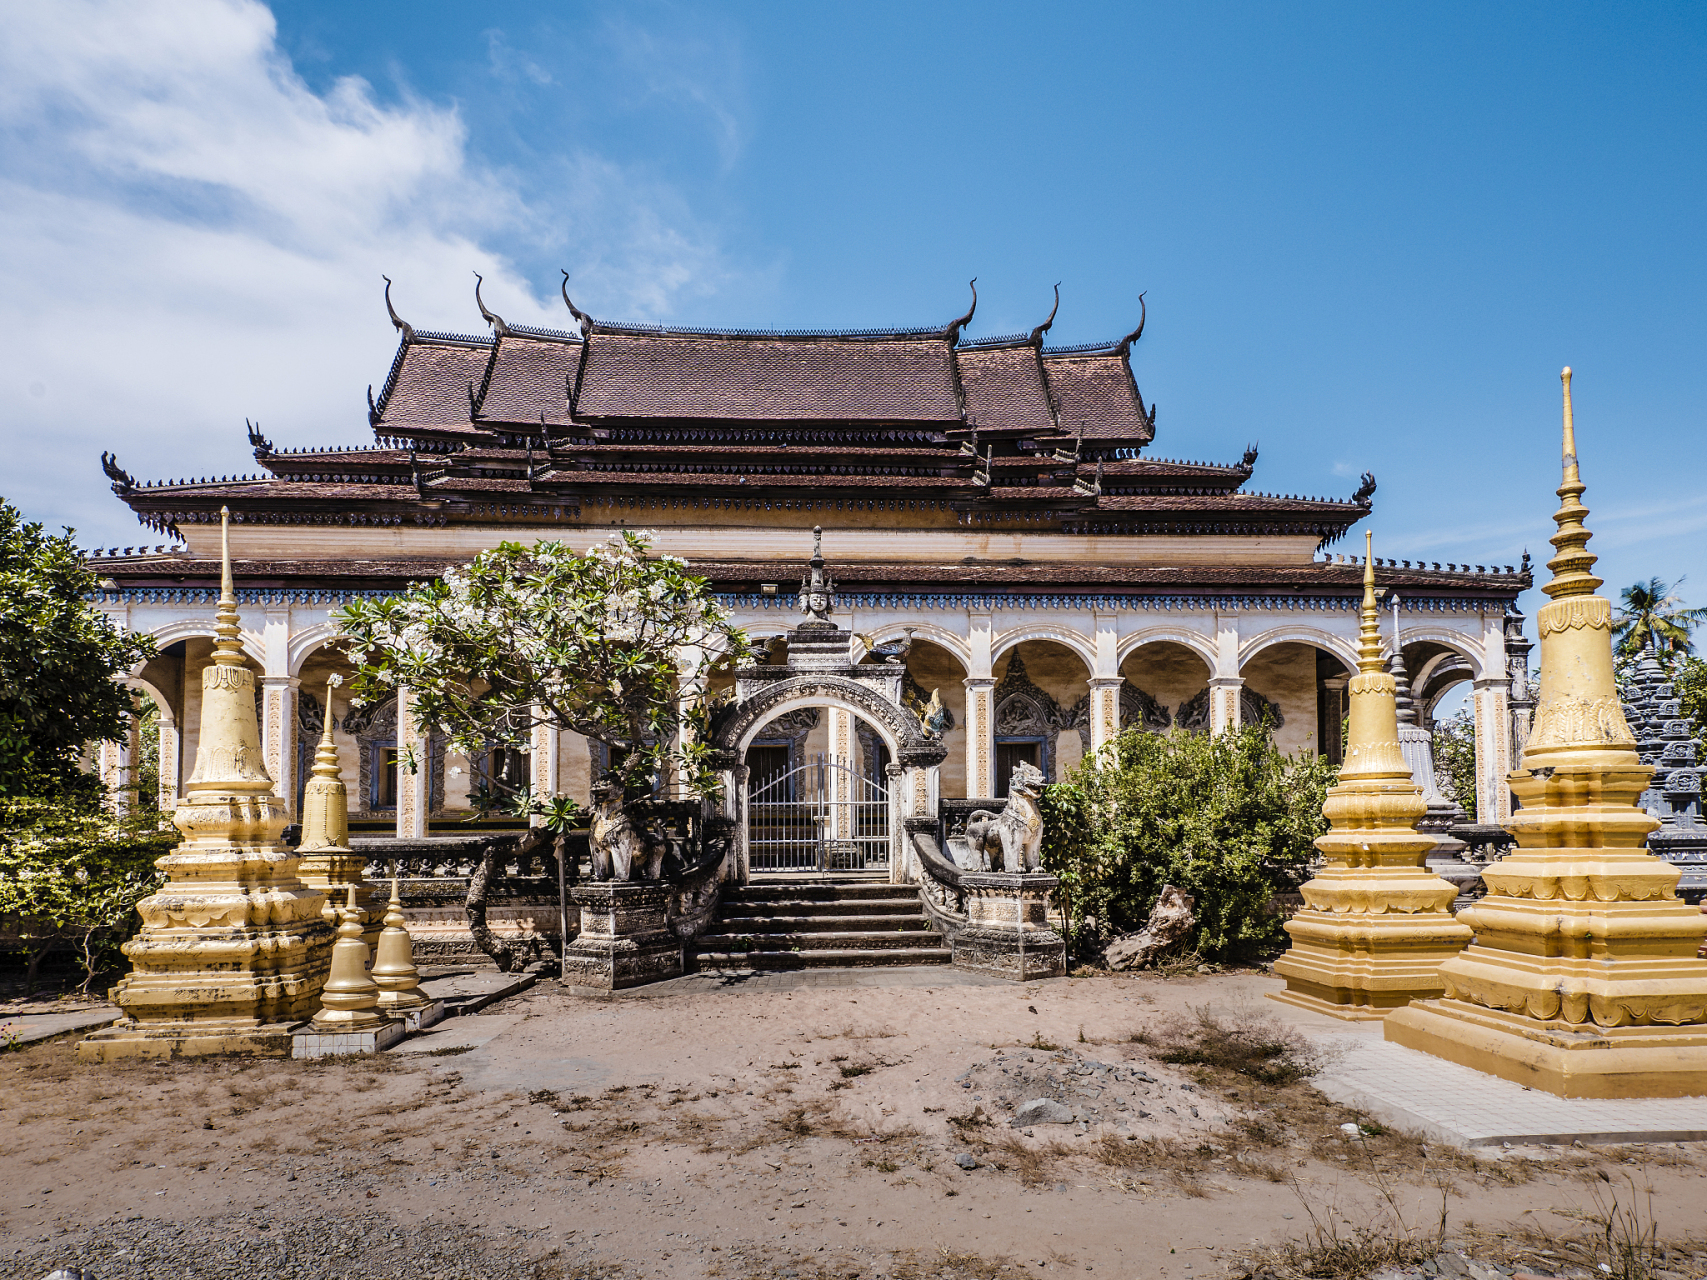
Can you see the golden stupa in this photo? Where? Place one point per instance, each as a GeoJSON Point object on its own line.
{"type": "Point", "coordinates": [1583, 978]}
{"type": "Point", "coordinates": [232, 952]}
{"type": "Point", "coordinates": [1375, 925]}
{"type": "Point", "coordinates": [328, 863]}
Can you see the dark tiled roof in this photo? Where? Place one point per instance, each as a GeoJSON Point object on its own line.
{"type": "Point", "coordinates": [752, 380]}
{"type": "Point", "coordinates": [1004, 389]}
{"type": "Point", "coordinates": [530, 377]}
{"type": "Point", "coordinates": [1096, 391]}
{"type": "Point", "coordinates": [430, 387]}
{"type": "Point", "coordinates": [1233, 505]}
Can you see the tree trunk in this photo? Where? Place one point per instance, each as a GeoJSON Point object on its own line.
{"type": "Point", "coordinates": [475, 905]}
{"type": "Point", "coordinates": [475, 908]}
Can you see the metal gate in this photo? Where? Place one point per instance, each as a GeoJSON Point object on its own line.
{"type": "Point", "coordinates": [822, 816]}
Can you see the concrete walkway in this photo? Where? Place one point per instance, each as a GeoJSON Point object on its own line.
{"type": "Point", "coordinates": [1409, 1089]}
{"type": "Point", "coordinates": [27, 1028]}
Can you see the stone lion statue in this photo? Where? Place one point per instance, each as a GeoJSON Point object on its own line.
{"type": "Point", "coordinates": [1016, 833]}
{"type": "Point", "coordinates": [621, 848]}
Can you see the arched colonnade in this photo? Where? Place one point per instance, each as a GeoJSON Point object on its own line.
{"type": "Point", "coordinates": [1049, 682]}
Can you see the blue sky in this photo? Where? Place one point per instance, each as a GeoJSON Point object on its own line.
{"type": "Point", "coordinates": [1370, 235]}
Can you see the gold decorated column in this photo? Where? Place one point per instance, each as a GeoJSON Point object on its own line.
{"type": "Point", "coordinates": [1583, 979]}
{"type": "Point", "coordinates": [1375, 925]}
{"type": "Point", "coordinates": [232, 952]}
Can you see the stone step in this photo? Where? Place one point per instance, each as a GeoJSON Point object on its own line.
{"type": "Point", "coordinates": [703, 960]}
{"type": "Point", "coordinates": [722, 938]}
{"type": "Point", "coordinates": [782, 907]}
{"type": "Point", "coordinates": [816, 890]}
{"type": "Point", "coordinates": [796, 922]}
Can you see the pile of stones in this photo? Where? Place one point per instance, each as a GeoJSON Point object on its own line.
{"type": "Point", "coordinates": [1037, 1086]}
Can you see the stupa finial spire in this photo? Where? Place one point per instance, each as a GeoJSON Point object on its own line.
{"type": "Point", "coordinates": [326, 756]}
{"type": "Point", "coordinates": [228, 642]}
{"type": "Point", "coordinates": [1573, 561]}
{"type": "Point", "coordinates": [1369, 644]}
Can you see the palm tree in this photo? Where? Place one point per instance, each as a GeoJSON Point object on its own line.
{"type": "Point", "coordinates": [1652, 614]}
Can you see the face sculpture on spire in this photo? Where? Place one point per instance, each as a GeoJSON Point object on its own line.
{"type": "Point", "coordinates": [817, 587]}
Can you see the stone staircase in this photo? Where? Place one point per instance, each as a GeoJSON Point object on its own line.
{"type": "Point", "coordinates": [817, 922]}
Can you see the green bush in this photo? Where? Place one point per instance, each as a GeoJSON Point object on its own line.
{"type": "Point", "coordinates": [1227, 818]}
{"type": "Point", "coordinates": [71, 875]}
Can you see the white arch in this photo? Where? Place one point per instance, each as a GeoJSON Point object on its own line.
{"type": "Point", "coordinates": [925, 631]}
{"type": "Point", "coordinates": [1464, 646]}
{"type": "Point", "coordinates": [167, 716]}
{"type": "Point", "coordinates": [1203, 646]}
{"type": "Point", "coordinates": [820, 698]}
{"type": "Point", "coordinates": [170, 633]}
{"type": "Point", "coordinates": [305, 642]}
{"type": "Point", "coordinates": [1298, 633]}
{"type": "Point", "coordinates": [1078, 642]}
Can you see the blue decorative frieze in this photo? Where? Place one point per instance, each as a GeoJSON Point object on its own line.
{"type": "Point", "coordinates": [245, 595]}
{"type": "Point", "coordinates": [785, 601]}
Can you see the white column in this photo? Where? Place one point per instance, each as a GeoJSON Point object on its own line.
{"type": "Point", "coordinates": [412, 788]}
{"type": "Point", "coordinates": [169, 752]}
{"type": "Point", "coordinates": [1105, 682]}
{"type": "Point", "coordinates": [543, 745]}
{"type": "Point", "coordinates": [738, 867]}
{"type": "Point", "coordinates": [1225, 683]}
{"type": "Point", "coordinates": [1493, 723]}
{"type": "Point", "coordinates": [113, 766]}
{"type": "Point", "coordinates": [980, 728]}
{"type": "Point", "coordinates": [1493, 749]}
{"type": "Point", "coordinates": [278, 736]}
{"type": "Point", "coordinates": [900, 803]}
{"type": "Point", "coordinates": [1105, 711]}
{"type": "Point", "coordinates": [842, 755]}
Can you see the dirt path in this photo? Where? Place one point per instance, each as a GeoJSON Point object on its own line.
{"type": "Point", "coordinates": [738, 1133]}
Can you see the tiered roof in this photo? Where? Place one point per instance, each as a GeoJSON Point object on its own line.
{"type": "Point", "coordinates": [1000, 428]}
{"type": "Point", "coordinates": [532, 426]}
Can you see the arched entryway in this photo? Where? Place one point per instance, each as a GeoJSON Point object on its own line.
{"type": "Point", "coordinates": [824, 813]}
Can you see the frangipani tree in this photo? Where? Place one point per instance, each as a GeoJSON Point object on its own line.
{"type": "Point", "coordinates": [614, 645]}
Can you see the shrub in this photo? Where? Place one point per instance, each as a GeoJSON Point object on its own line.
{"type": "Point", "coordinates": [71, 876]}
{"type": "Point", "coordinates": [1227, 818]}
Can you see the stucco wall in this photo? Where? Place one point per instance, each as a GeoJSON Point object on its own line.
{"type": "Point", "coordinates": [1286, 674]}
{"type": "Point", "coordinates": [1168, 671]}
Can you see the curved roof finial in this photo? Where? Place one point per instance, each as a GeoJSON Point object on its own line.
{"type": "Point", "coordinates": [952, 333]}
{"type": "Point", "coordinates": [581, 317]}
{"type": "Point", "coordinates": [403, 326]}
{"type": "Point", "coordinates": [490, 317]}
{"type": "Point", "coordinates": [1047, 325]}
{"type": "Point", "coordinates": [1125, 344]}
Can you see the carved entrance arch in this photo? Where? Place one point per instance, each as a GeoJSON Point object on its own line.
{"type": "Point", "coordinates": [915, 754]}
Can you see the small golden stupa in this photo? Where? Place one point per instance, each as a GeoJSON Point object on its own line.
{"type": "Point", "coordinates": [1375, 925]}
{"type": "Point", "coordinates": [394, 961]}
{"type": "Point", "coordinates": [350, 999]}
{"type": "Point", "coordinates": [328, 863]}
{"type": "Point", "coordinates": [232, 952]}
{"type": "Point", "coordinates": [1583, 979]}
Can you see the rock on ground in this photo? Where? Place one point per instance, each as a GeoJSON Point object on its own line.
{"type": "Point", "coordinates": [1168, 925]}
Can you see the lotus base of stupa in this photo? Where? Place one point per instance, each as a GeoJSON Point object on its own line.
{"type": "Point", "coordinates": [1571, 1061]}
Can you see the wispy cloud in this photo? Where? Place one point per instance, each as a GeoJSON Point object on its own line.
{"type": "Point", "coordinates": [189, 234]}
{"type": "Point", "coordinates": [509, 63]}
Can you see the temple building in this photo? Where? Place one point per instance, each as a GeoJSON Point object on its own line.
{"type": "Point", "coordinates": [994, 517]}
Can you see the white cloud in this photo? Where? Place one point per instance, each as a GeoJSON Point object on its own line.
{"type": "Point", "coordinates": [189, 235]}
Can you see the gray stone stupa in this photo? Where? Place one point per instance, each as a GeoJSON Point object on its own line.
{"type": "Point", "coordinates": [1665, 740]}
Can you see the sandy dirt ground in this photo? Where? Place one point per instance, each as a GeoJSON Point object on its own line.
{"type": "Point", "coordinates": [731, 1132]}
